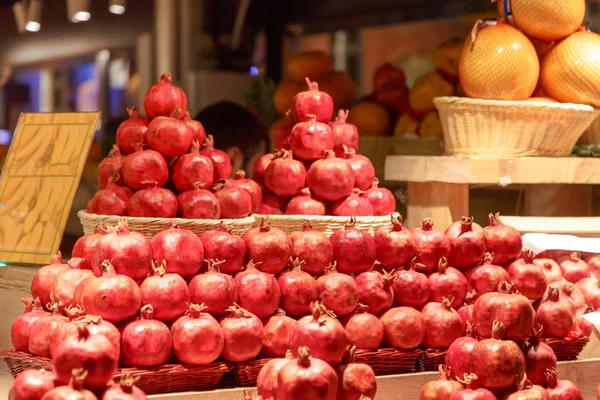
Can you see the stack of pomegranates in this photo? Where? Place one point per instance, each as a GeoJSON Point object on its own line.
{"type": "Point", "coordinates": [315, 169]}
{"type": "Point", "coordinates": [164, 166]}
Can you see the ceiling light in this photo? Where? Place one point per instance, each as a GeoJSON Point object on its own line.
{"type": "Point", "coordinates": [117, 6]}
{"type": "Point", "coordinates": [78, 10]}
{"type": "Point", "coordinates": [34, 16]}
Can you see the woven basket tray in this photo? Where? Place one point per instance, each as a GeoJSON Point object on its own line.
{"type": "Point", "coordinates": [432, 358]}
{"type": "Point", "coordinates": [389, 361]}
{"type": "Point", "coordinates": [248, 371]}
{"type": "Point", "coordinates": [490, 128]}
{"type": "Point", "coordinates": [566, 350]}
{"type": "Point", "coordinates": [326, 224]}
{"type": "Point", "coordinates": [168, 378]}
{"type": "Point", "coordinates": [151, 226]}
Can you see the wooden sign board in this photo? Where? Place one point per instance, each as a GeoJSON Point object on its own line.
{"type": "Point", "coordinates": [39, 180]}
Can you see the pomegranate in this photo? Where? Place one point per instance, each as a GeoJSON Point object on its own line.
{"type": "Point", "coordinates": [258, 291]}
{"type": "Point", "coordinates": [282, 133]}
{"type": "Point", "coordinates": [458, 357]}
{"type": "Point", "coordinates": [470, 393]}
{"type": "Point", "coordinates": [269, 247]}
{"type": "Point", "coordinates": [527, 277]}
{"type": "Point", "coordinates": [590, 288]}
{"type": "Point", "coordinates": [162, 98]}
{"type": "Point", "coordinates": [313, 247]}
{"type": "Point", "coordinates": [113, 296]}
{"type": "Point", "coordinates": [198, 204]}
{"type": "Point", "coordinates": [466, 314]}
{"type": "Point", "coordinates": [539, 357]}
{"type": "Point", "coordinates": [497, 362]}
{"type": "Point", "coordinates": [583, 325]}
{"type": "Point", "coordinates": [285, 176]}
{"type": "Point", "coordinates": [307, 377]}
{"type": "Point", "coordinates": [430, 245]}
{"type": "Point", "coordinates": [330, 178]}
{"type": "Point", "coordinates": [312, 102]}
{"type": "Point", "coordinates": [338, 292]}
{"type": "Point", "coordinates": [152, 202]}
{"type": "Point", "coordinates": [344, 134]}
{"type": "Point", "coordinates": [306, 204]}
{"type": "Point", "coordinates": [221, 245]}
{"type": "Point", "coordinates": [45, 277]}
{"type": "Point", "coordinates": [503, 241]}
{"type": "Point", "coordinates": [168, 294]}
{"type": "Point", "coordinates": [441, 389]}
{"type": "Point", "coordinates": [109, 167]}
{"type": "Point", "coordinates": [551, 269]}
{"type": "Point", "coordinates": [93, 352]}
{"type": "Point", "coordinates": [404, 327]}
{"type": "Point", "coordinates": [197, 337]}
{"type": "Point", "coordinates": [354, 250]}
{"type": "Point", "coordinates": [198, 132]}
{"type": "Point", "coordinates": [382, 200]}
{"type": "Point", "coordinates": [467, 243]}
{"type": "Point", "coordinates": [356, 380]}
{"type": "Point", "coordinates": [266, 381]}
{"type": "Point", "coordinates": [250, 186]}
{"type": "Point", "coordinates": [309, 140]}
{"type": "Point", "coordinates": [363, 330]}
{"type": "Point", "coordinates": [180, 248]}
{"type": "Point", "coordinates": [145, 166]}
{"type": "Point", "coordinates": [145, 342]}
{"type": "Point", "coordinates": [243, 335]}
{"type": "Point", "coordinates": [486, 277]}
{"type": "Point", "coordinates": [411, 288]}
{"type": "Point", "coordinates": [261, 165]}
{"type": "Point", "coordinates": [95, 325]}
{"type": "Point", "coordinates": [234, 201]}
{"type": "Point", "coordinates": [528, 391]}
{"type": "Point", "coordinates": [593, 263]}
{"type": "Point", "coordinates": [573, 293]}
{"type": "Point", "coordinates": [73, 313]}
{"type": "Point", "coordinates": [216, 291]}
{"type": "Point", "coordinates": [363, 169]}
{"type": "Point", "coordinates": [74, 390]}
{"type": "Point", "coordinates": [192, 170]}
{"type": "Point", "coordinates": [574, 268]}
{"type": "Point", "coordinates": [85, 246]}
{"type": "Point", "coordinates": [394, 243]}
{"type": "Point", "coordinates": [353, 205]}
{"type": "Point", "coordinates": [557, 317]}
{"type": "Point", "coordinates": [130, 252]}
{"type": "Point", "coordinates": [132, 131]}
{"type": "Point", "coordinates": [272, 204]}
{"type": "Point", "coordinates": [110, 201]}
{"type": "Point", "coordinates": [32, 384]}
{"type": "Point", "coordinates": [443, 325]}
{"type": "Point", "coordinates": [375, 290]}
{"type": "Point", "coordinates": [41, 330]}
{"type": "Point", "coordinates": [298, 290]}
{"type": "Point", "coordinates": [221, 162]}
{"type": "Point", "coordinates": [514, 311]}
{"type": "Point", "coordinates": [21, 327]}
{"type": "Point", "coordinates": [561, 389]}
{"type": "Point", "coordinates": [276, 334]}
{"type": "Point", "coordinates": [321, 333]}
{"type": "Point", "coordinates": [124, 390]}
{"type": "Point", "coordinates": [448, 281]}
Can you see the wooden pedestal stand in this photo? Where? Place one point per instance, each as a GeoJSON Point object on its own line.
{"type": "Point", "coordinates": [438, 187]}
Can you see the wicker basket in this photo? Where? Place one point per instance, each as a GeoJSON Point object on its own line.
{"type": "Point", "coordinates": [490, 128]}
{"type": "Point", "coordinates": [432, 358]}
{"type": "Point", "coordinates": [389, 361]}
{"type": "Point", "coordinates": [327, 224]}
{"type": "Point", "coordinates": [248, 371]}
{"type": "Point", "coordinates": [170, 378]}
{"type": "Point", "coordinates": [566, 350]}
{"type": "Point", "coordinates": [151, 226]}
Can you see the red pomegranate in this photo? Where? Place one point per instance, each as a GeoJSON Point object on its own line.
{"type": "Point", "coordinates": [145, 342]}
{"type": "Point", "coordinates": [21, 327]}
{"type": "Point", "coordinates": [448, 281]}
{"type": "Point", "coordinates": [467, 243]}
{"type": "Point", "coordinates": [312, 102]}
{"type": "Point", "coordinates": [192, 170]}
{"type": "Point", "coordinates": [282, 134]}
{"type": "Point", "coordinates": [260, 166]}
{"type": "Point", "coordinates": [363, 169]}
{"type": "Point", "coordinates": [32, 384]}
{"type": "Point", "coordinates": [338, 292]}
{"type": "Point", "coordinates": [180, 248]}
{"type": "Point", "coordinates": [344, 134]}
{"type": "Point", "coordinates": [539, 357]}
{"type": "Point", "coordinates": [95, 325]}
{"type": "Point", "coordinates": [216, 291]}
{"type": "Point", "coordinates": [162, 98]}
{"type": "Point", "coordinates": [168, 294]}
{"type": "Point", "coordinates": [574, 268]}
{"type": "Point", "coordinates": [269, 247]}
{"type": "Point", "coordinates": [112, 200]}
{"type": "Point", "coordinates": [593, 263]}
{"type": "Point", "coordinates": [42, 329]}
{"type": "Point", "coordinates": [44, 278]}
{"type": "Point", "coordinates": [311, 139]}
{"type": "Point", "coordinates": [356, 380]}
{"type": "Point", "coordinates": [272, 204]}
{"type": "Point", "coordinates": [514, 311]}
{"type": "Point", "coordinates": [527, 277]}
{"type": "Point", "coordinates": [363, 330]}
{"type": "Point", "coordinates": [85, 246]}
{"type": "Point", "coordinates": [556, 316]}
{"type": "Point", "coordinates": [313, 247]}
{"type": "Point", "coordinates": [152, 202]}
{"type": "Point", "coordinates": [497, 362]}
{"type": "Point", "coordinates": [144, 166]}
{"type": "Point", "coordinates": [111, 166]}
{"type": "Point", "coordinates": [243, 335]}
{"type": "Point", "coordinates": [411, 288]}
{"type": "Point", "coordinates": [573, 293]}
{"type": "Point", "coordinates": [382, 200]}
{"type": "Point", "coordinates": [354, 250]}
{"type": "Point", "coordinates": [375, 290]}
{"type": "Point", "coordinates": [112, 296]}
{"type": "Point", "coordinates": [443, 325]}
{"type": "Point", "coordinates": [285, 176]}
{"type": "Point", "coordinates": [131, 131]}
{"type": "Point", "coordinates": [561, 389]}
{"type": "Point", "coordinates": [124, 390]}
{"type": "Point", "coordinates": [394, 243]}
{"type": "Point", "coordinates": [307, 377]}
{"type": "Point", "coordinates": [198, 132]}
{"type": "Point", "coordinates": [258, 291]}
{"type": "Point", "coordinates": [234, 202]}
{"type": "Point", "coordinates": [551, 269]}
{"type": "Point", "coordinates": [321, 333]}
{"type": "Point", "coordinates": [528, 391]}
{"type": "Point", "coordinates": [66, 282]}
{"type": "Point", "coordinates": [266, 381]}
{"type": "Point", "coordinates": [197, 337]}
{"type": "Point", "coordinates": [221, 162]}
{"type": "Point", "coordinates": [503, 241]}
{"type": "Point", "coordinates": [198, 204]}
{"type": "Point", "coordinates": [458, 357]}
{"type": "Point", "coordinates": [277, 334]}
{"type": "Point", "coordinates": [74, 390]}
{"type": "Point", "coordinates": [250, 186]}
{"type": "Point", "coordinates": [590, 288]}
{"type": "Point", "coordinates": [330, 178]}
{"type": "Point", "coordinates": [471, 393]}
{"type": "Point", "coordinates": [221, 245]}
{"type": "Point", "coordinates": [298, 290]}
{"type": "Point", "coordinates": [441, 389]}
{"type": "Point", "coordinates": [430, 245]}
{"type": "Point", "coordinates": [306, 204]}
{"type": "Point", "coordinates": [486, 277]}
{"type": "Point", "coordinates": [404, 327]}
{"type": "Point", "coordinates": [466, 314]}
{"type": "Point", "coordinates": [353, 205]}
